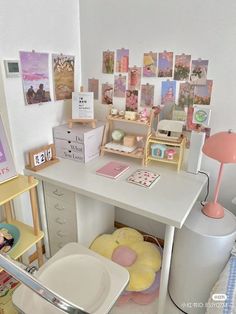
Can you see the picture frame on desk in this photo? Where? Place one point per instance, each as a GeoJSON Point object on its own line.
{"type": "Point", "coordinates": [42, 157]}
{"type": "Point", "coordinates": [7, 165]}
{"type": "Point", "coordinates": [82, 105]}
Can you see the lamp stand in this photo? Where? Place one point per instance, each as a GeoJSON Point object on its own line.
{"type": "Point", "coordinates": [214, 209]}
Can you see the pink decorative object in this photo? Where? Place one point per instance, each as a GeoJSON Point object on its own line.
{"type": "Point", "coordinates": [124, 256]}
{"type": "Point", "coordinates": [222, 147]}
{"type": "Point", "coordinates": [143, 115]}
{"type": "Point", "coordinates": [170, 153]}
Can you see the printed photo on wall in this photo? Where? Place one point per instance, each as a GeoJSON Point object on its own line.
{"type": "Point", "coordinates": [35, 77]}
{"type": "Point", "coordinates": [63, 76]}
{"type": "Point", "coordinates": [202, 94]}
{"type": "Point", "coordinates": [150, 64]}
{"type": "Point", "coordinates": [131, 100]}
{"type": "Point", "coordinates": [107, 94]}
{"type": "Point", "coordinates": [198, 74]}
{"type": "Point", "coordinates": [182, 67]}
{"type": "Point", "coordinates": [186, 95]}
{"type": "Point", "coordinates": [168, 92]}
{"type": "Point", "coordinates": [122, 60]}
{"type": "Point", "coordinates": [165, 64]}
{"type": "Point", "coordinates": [147, 95]}
{"type": "Point", "coordinates": [191, 126]}
{"type": "Point", "coordinates": [93, 87]}
{"type": "Point", "coordinates": [134, 78]}
{"type": "Point", "coordinates": [119, 86]}
{"type": "Point", "coordinates": [108, 62]}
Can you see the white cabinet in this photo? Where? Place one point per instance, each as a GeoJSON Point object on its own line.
{"type": "Point", "coordinates": [73, 217]}
{"type": "Point", "coordinates": [61, 216]}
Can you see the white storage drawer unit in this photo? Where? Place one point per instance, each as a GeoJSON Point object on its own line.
{"type": "Point", "coordinates": [80, 143]}
{"type": "Point", "coordinates": [61, 216]}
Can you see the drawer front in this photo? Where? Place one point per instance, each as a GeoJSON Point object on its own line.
{"type": "Point", "coordinates": [68, 154]}
{"type": "Point", "coordinates": [76, 134]}
{"type": "Point", "coordinates": [59, 193]}
{"type": "Point", "coordinates": [58, 239]}
{"type": "Point", "coordinates": [69, 146]}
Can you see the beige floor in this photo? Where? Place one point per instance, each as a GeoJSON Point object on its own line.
{"type": "Point", "coordinates": [132, 308]}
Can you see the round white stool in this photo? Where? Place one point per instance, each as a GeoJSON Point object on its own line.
{"type": "Point", "coordinates": [201, 250]}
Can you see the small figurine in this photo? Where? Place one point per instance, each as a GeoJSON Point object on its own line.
{"type": "Point", "coordinates": [121, 113]}
{"type": "Point", "coordinates": [170, 153]}
{"type": "Point", "coordinates": [158, 150]}
{"type": "Point", "coordinates": [114, 111]}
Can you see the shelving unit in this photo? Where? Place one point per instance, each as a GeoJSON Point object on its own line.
{"type": "Point", "coordinates": [137, 153]}
{"type": "Point", "coordinates": [179, 145]}
{"type": "Point", "coordinates": [29, 235]}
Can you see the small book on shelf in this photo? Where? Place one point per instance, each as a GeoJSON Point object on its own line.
{"type": "Point", "coordinates": [113, 169]}
{"type": "Point", "coordinates": [144, 178]}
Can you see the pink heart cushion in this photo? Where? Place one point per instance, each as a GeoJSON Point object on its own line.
{"type": "Point", "coordinates": [124, 256]}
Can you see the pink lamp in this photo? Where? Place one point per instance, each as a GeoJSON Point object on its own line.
{"type": "Point", "coordinates": [222, 147]}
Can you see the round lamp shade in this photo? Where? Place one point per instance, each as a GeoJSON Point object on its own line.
{"type": "Point", "coordinates": [221, 146]}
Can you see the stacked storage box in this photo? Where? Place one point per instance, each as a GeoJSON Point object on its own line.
{"type": "Point", "coordinates": [80, 143]}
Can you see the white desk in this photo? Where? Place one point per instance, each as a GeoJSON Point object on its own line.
{"type": "Point", "coordinates": [169, 201]}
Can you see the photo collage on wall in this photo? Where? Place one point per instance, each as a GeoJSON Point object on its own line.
{"type": "Point", "coordinates": [183, 83]}
{"type": "Point", "coordinates": [36, 76]}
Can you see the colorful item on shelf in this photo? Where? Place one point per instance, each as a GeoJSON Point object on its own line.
{"type": "Point", "coordinates": [130, 115]}
{"type": "Point", "coordinates": [117, 135]}
{"type": "Point", "coordinates": [170, 153]}
{"type": "Point", "coordinates": [169, 129]}
{"type": "Point", "coordinates": [144, 178]}
{"type": "Point", "coordinates": [120, 148]}
{"type": "Point", "coordinates": [143, 115]}
{"type": "Point", "coordinates": [114, 111]}
{"type": "Point", "coordinates": [129, 140]}
{"type": "Point", "coordinates": [9, 237]}
{"type": "Point", "coordinates": [158, 150]}
{"type": "Point", "coordinates": [142, 259]}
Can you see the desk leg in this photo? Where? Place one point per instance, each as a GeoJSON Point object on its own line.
{"type": "Point", "coordinates": [169, 237]}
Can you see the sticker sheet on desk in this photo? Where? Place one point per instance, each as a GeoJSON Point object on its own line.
{"type": "Point", "coordinates": [144, 178]}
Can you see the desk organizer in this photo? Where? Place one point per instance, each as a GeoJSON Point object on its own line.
{"type": "Point", "coordinates": [80, 143]}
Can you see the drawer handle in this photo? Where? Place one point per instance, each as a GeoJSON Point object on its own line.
{"type": "Point", "coordinates": [57, 193]}
{"type": "Point", "coordinates": [59, 208]}
{"type": "Point", "coordinates": [61, 234]}
{"type": "Point", "coordinates": [60, 221]}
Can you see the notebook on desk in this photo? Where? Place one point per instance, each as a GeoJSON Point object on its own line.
{"type": "Point", "coordinates": [143, 177]}
{"type": "Point", "coordinates": [112, 170]}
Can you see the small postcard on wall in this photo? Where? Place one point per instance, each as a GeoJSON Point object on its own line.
{"type": "Point", "coordinates": [82, 105]}
{"type": "Point", "coordinates": [35, 77]}
{"type": "Point", "coordinates": [165, 64]}
{"type": "Point", "coordinates": [93, 87]}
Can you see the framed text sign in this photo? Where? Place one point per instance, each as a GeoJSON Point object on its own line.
{"type": "Point", "coordinates": [7, 166]}
{"type": "Point", "coordinates": [82, 105]}
{"type": "Point", "coordinates": [42, 157]}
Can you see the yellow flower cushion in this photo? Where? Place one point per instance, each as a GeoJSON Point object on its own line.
{"type": "Point", "coordinates": [127, 248]}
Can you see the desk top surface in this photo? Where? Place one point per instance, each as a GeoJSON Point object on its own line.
{"type": "Point", "coordinates": [169, 200]}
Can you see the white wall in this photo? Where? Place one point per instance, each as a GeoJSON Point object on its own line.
{"type": "Point", "coordinates": [45, 26]}
{"type": "Point", "coordinates": [205, 29]}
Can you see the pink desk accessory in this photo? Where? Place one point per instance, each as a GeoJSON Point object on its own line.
{"type": "Point", "coordinates": [113, 169]}
{"type": "Point", "coordinates": [143, 178]}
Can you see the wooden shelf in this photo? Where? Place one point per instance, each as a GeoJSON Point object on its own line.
{"type": "Point", "coordinates": [134, 154]}
{"type": "Point", "coordinates": [14, 187]}
{"type": "Point", "coordinates": [174, 161]}
{"type": "Point", "coordinates": [117, 118]}
{"type": "Point", "coordinates": [27, 239]}
{"type": "Point", "coordinates": [165, 142]}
